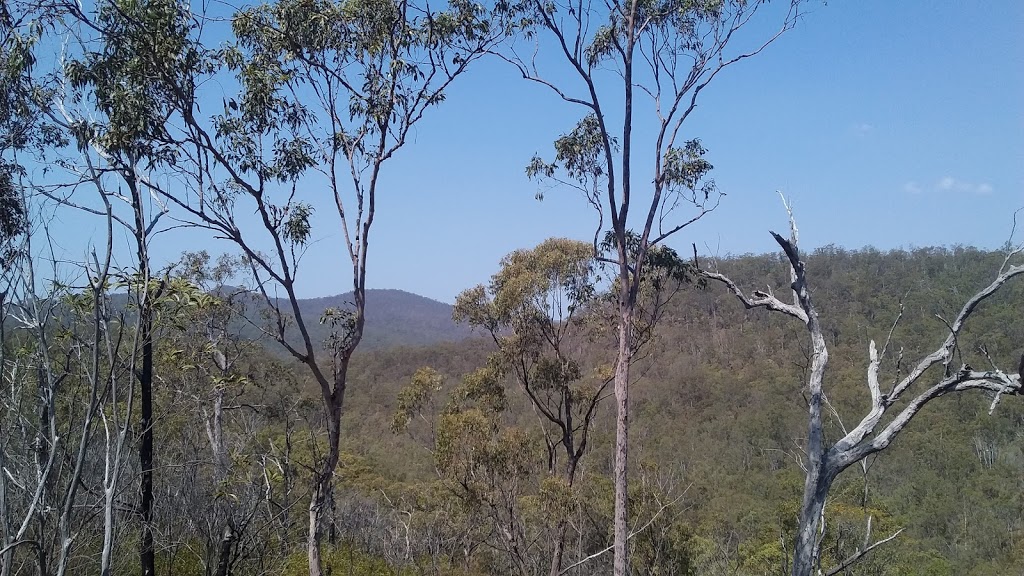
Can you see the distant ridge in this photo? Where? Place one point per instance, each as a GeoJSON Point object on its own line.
{"type": "Point", "coordinates": [393, 318]}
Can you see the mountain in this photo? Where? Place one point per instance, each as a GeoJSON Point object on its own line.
{"type": "Point", "coordinates": [393, 318]}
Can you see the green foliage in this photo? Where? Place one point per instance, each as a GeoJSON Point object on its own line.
{"type": "Point", "coordinates": [718, 413]}
{"type": "Point", "coordinates": [383, 57]}
{"type": "Point", "coordinates": [296, 226]}
{"type": "Point", "coordinates": [483, 386]}
{"type": "Point", "coordinates": [143, 71]}
{"type": "Point", "coordinates": [685, 169]}
{"type": "Point", "coordinates": [414, 398]}
{"type": "Point", "coordinates": [13, 221]}
{"type": "Point", "coordinates": [25, 132]}
{"type": "Point", "coordinates": [342, 559]}
{"type": "Point", "coordinates": [551, 281]}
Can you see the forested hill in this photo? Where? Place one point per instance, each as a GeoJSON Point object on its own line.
{"type": "Point", "coordinates": [463, 487]}
{"type": "Point", "coordinates": [719, 416]}
{"type": "Point", "coordinates": [393, 318]}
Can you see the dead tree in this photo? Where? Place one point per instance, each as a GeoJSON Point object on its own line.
{"type": "Point", "coordinates": [895, 404]}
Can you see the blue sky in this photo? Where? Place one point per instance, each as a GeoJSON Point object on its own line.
{"type": "Point", "coordinates": [889, 124]}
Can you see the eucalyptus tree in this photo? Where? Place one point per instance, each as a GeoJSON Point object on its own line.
{"type": "Point", "coordinates": [43, 451]}
{"type": "Point", "coordinates": [68, 377]}
{"type": "Point", "coordinates": [542, 309]}
{"type": "Point", "coordinates": [536, 310]}
{"type": "Point", "coordinates": [210, 365]}
{"type": "Point", "coordinates": [118, 118]}
{"type": "Point", "coordinates": [486, 467]}
{"type": "Point", "coordinates": [328, 92]}
{"type": "Point", "coordinates": [893, 404]}
{"type": "Point", "coordinates": [618, 59]}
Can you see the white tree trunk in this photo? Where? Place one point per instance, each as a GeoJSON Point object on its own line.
{"type": "Point", "coordinates": [824, 464]}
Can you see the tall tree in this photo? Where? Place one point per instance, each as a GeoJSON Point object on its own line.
{"type": "Point", "coordinates": [122, 45]}
{"type": "Point", "coordinates": [541, 309]}
{"type": "Point", "coordinates": [329, 92]}
{"type": "Point", "coordinates": [669, 52]}
{"type": "Point", "coordinates": [536, 311]}
{"type": "Point", "coordinates": [892, 409]}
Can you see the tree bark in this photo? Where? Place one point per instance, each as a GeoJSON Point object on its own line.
{"type": "Point", "coordinates": [318, 503]}
{"type": "Point", "coordinates": [147, 552]}
{"type": "Point", "coordinates": [224, 555]}
{"type": "Point", "coordinates": [559, 552]}
{"type": "Point", "coordinates": [816, 489]}
{"type": "Point", "coordinates": [621, 518]}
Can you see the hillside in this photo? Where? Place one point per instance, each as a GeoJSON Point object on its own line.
{"type": "Point", "coordinates": [719, 414]}
{"type": "Point", "coordinates": [393, 318]}
{"type": "Point", "coordinates": [718, 425]}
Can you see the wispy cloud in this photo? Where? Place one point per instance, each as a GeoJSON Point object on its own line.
{"type": "Point", "coordinates": [950, 184]}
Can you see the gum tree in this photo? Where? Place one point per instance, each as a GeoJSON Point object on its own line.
{"type": "Point", "coordinates": [541, 309]}
{"type": "Point", "coordinates": [536, 312]}
{"type": "Point", "coordinates": [634, 68]}
{"type": "Point", "coordinates": [893, 404]}
{"type": "Point", "coordinates": [328, 93]}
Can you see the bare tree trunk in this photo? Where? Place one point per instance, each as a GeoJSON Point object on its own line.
{"type": "Point", "coordinates": [318, 503]}
{"type": "Point", "coordinates": [825, 464]}
{"type": "Point", "coordinates": [111, 477]}
{"type": "Point", "coordinates": [559, 552]}
{"type": "Point", "coordinates": [819, 474]}
{"type": "Point", "coordinates": [313, 536]}
{"type": "Point", "coordinates": [805, 555]}
{"type": "Point", "coordinates": [114, 450]}
{"type": "Point", "coordinates": [224, 554]}
{"type": "Point", "coordinates": [106, 554]}
{"type": "Point", "coordinates": [7, 557]}
{"type": "Point", "coordinates": [43, 456]}
{"type": "Point", "coordinates": [147, 553]}
{"type": "Point", "coordinates": [621, 518]}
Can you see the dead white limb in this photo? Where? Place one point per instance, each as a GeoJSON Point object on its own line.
{"type": "Point", "coordinates": [861, 552]}
{"type": "Point", "coordinates": [646, 525]}
{"type": "Point", "coordinates": [824, 463]}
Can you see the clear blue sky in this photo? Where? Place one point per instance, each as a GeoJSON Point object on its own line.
{"type": "Point", "coordinates": [889, 124]}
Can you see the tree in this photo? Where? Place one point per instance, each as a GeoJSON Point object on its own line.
{"type": "Point", "coordinates": [669, 51]}
{"type": "Point", "coordinates": [73, 354]}
{"type": "Point", "coordinates": [208, 352]}
{"type": "Point", "coordinates": [536, 312]}
{"type": "Point", "coordinates": [329, 92]}
{"type": "Point", "coordinates": [541, 310]}
{"type": "Point", "coordinates": [130, 143]}
{"type": "Point", "coordinates": [877, 429]}
{"type": "Point", "coordinates": [24, 132]}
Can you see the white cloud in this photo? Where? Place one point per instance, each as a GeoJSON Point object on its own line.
{"type": "Point", "coordinates": [950, 184]}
